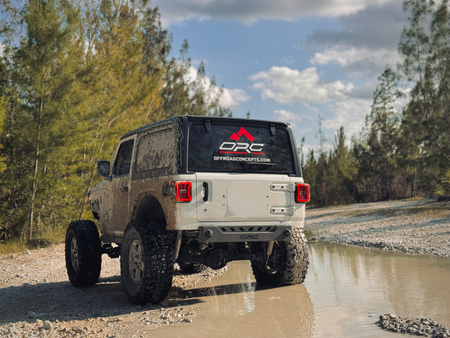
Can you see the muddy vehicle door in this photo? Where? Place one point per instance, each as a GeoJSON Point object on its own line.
{"type": "Point", "coordinates": [120, 187]}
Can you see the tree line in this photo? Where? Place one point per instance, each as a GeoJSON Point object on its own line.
{"type": "Point", "coordinates": [404, 148]}
{"type": "Point", "coordinates": [74, 77]}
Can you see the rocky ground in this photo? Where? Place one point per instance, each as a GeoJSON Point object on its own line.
{"type": "Point", "coordinates": [37, 300]}
{"type": "Point", "coordinates": [413, 227]}
{"type": "Point", "coordinates": [416, 327]}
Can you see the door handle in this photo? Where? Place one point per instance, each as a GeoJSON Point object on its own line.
{"type": "Point", "coordinates": [124, 189]}
{"type": "Point", "coordinates": [205, 187]}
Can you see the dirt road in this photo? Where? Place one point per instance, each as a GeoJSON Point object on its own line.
{"type": "Point", "coordinates": [37, 300]}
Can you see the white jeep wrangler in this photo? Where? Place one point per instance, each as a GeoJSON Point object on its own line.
{"type": "Point", "coordinates": [199, 191]}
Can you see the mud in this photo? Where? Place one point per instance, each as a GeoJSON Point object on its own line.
{"type": "Point", "coordinates": [351, 287]}
{"type": "Point", "coordinates": [346, 290]}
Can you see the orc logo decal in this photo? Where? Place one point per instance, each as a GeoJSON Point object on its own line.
{"type": "Point", "coordinates": [241, 147]}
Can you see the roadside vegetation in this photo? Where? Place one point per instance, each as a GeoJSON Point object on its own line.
{"type": "Point", "coordinates": [74, 77]}
{"type": "Point", "coordinates": [404, 149]}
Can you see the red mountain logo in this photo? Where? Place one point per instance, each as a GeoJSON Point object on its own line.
{"type": "Point", "coordinates": [241, 132]}
{"type": "Point", "coordinates": [241, 147]}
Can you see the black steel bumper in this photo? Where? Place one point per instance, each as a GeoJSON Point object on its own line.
{"type": "Point", "coordinates": [215, 234]}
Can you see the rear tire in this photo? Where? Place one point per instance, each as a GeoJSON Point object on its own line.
{"type": "Point", "coordinates": [83, 253]}
{"type": "Point", "coordinates": [146, 262]}
{"type": "Point", "coordinates": [287, 265]}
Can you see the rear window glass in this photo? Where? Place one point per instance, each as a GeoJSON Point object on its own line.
{"type": "Point", "coordinates": [239, 149]}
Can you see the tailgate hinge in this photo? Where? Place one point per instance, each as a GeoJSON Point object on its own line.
{"type": "Point", "coordinates": [283, 210]}
{"type": "Point", "coordinates": [282, 187]}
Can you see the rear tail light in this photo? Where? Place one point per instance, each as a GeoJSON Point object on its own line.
{"type": "Point", "coordinates": [183, 191]}
{"type": "Point", "coordinates": [302, 193]}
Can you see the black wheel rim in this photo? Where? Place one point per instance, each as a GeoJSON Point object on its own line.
{"type": "Point", "coordinates": [135, 261]}
{"type": "Point", "coordinates": [74, 253]}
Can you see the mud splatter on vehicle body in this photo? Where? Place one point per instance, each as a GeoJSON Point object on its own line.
{"type": "Point", "coordinates": [201, 191]}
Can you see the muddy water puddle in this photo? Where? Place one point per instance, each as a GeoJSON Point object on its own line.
{"type": "Point", "coordinates": [346, 289]}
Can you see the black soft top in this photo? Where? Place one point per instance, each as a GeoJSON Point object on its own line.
{"type": "Point", "coordinates": [201, 119]}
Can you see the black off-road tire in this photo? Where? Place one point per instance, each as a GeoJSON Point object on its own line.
{"type": "Point", "coordinates": [83, 253]}
{"type": "Point", "coordinates": [288, 262]}
{"type": "Point", "coordinates": [192, 268]}
{"type": "Point", "coordinates": [146, 262]}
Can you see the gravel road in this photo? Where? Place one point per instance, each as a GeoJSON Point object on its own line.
{"type": "Point", "coordinates": [37, 300]}
{"type": "Point", "coordinates": [413, 227]}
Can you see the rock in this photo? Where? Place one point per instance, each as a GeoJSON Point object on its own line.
{"type": "Point", "coordinates": [418, 327]}
{"type": "Point", "coordinates": [77, 329]}
{"type": "Point", "coordinates": [47, 325]}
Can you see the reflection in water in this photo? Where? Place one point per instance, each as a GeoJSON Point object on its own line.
{"type": "Point", "coordinates": [234, 306]}
{"type": "Point", "coordinates": [350, 287]}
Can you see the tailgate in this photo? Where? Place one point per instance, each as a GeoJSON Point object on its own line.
{"type": "Point", "coordinates": [231, 197]}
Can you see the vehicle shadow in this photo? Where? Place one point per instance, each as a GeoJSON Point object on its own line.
{"type": "Point", "coordinates": [63, 302]}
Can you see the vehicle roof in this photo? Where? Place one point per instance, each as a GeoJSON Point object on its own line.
{"type": "Point", "coordinates": [194, 118]}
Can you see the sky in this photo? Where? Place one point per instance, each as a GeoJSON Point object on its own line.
{"type": "Point", "coordinates": [292, 60]}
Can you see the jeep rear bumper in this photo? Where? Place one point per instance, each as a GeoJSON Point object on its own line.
{"type": "Point", "coordinates": [215, 234]}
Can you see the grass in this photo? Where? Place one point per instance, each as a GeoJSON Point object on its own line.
{"type": "Point", "coordinates": [12, 246]}
{"type": "Point", "coordinates": [47, 237]}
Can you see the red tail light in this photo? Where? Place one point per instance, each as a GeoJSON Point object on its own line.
{"type": "Point", "coordinates": [302, 193]}
{"type": "Point", "coordinates": [183, 193]}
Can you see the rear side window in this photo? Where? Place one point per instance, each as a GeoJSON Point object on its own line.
{"type": "Point", "coordinates": [239, 149]}
{"type": "Point", "coordinates": [156, 150]}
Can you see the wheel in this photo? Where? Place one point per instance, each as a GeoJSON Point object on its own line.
{"type": "Point", "coordinates": [146, 262]}
{"type": "Point", "coordinates": [83, 253]}
{"type": "Point", "coordinates": [287, 265]}
{"type": "Point", "coordinates": [192, 268]}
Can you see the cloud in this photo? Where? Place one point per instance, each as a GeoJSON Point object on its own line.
{"type": "Point", "coordinates": [350, 114]}
{"type": "Point", "coordinates": [348, 104]}
{"type": "Point", "coordinates": [284, 115]}
{"type": "Point", "coordinates": [366, 42]}
{"type": "Point", "coordinates": [232, 98]}
{"type": "Point", "coordinates": [176, 11]}
{"type": "Point", "coordinates": [353, 60]}
{"type": "Point", "coordinates": [289, 86]}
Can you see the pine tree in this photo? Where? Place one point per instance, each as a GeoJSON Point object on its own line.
{"type": "Point", "coordinates": [47, 57]}
{"type": "Point", "coordinates": [345, 167]}
{"type": "Point", "coordinates": [385, 120]}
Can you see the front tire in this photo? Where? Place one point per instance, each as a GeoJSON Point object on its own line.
{"type": "Point", "coordinates": [287, 265]}
{"type": "Point", "coordinates": [83, 253]}
{"type": "Point", "coordinates": [146, 262]}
